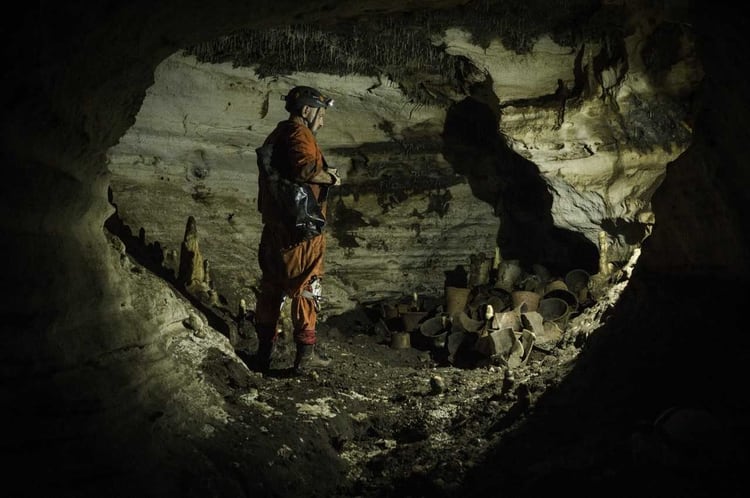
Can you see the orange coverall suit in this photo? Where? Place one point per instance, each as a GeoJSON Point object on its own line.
{"type": "Point", "coordinates": [288, 265]}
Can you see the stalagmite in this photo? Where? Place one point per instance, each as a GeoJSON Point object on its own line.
{"type": "Point", "coordinates": [191, 273]}
{"type": "Point", "coordinates": [604, 266]}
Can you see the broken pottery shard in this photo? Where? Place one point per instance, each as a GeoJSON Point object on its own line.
{"type": "Point", "coordinates": [504, 340]}
{"type": "Point", "coordinates": [516, 355]}
{"type": "Point", "coordinates": [485, 346]}
{"type": "Point", "coordinates": [464, 323]}
{"type": "Point", "coordinates": [533, 321]}
{"type": "Point", "coordinates": [549, 338]}
{"type": "Point", "coordinates": [507, 319]}
{"type": "Point", "coordinates": [527, 340]}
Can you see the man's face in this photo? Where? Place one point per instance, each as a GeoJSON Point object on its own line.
{"type": "Point", "coordinates": [315, 116]}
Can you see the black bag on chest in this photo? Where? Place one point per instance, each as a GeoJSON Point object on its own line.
{"type": "Point", "coordinates": [296, 201]}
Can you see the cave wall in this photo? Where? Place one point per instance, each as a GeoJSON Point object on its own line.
{"type": "Point", "coordinates": [539, 153]}
{"type": "Point", "coordinates": [401, 219]}
{"type": "Point", "coordinates": [709, 177]}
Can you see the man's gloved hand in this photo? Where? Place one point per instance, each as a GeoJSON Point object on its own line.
{"type": "Point", "coordinates": [335, 180]}
{"type": "Point", "coordinates": [328, 176]}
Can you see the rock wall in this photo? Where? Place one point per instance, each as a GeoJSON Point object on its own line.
{"type": "Point", "coordinates": [401, 219]}
{"type": "Point", "coordinates": [566, 143]}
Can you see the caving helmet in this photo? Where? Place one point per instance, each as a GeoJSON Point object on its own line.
{"type": "Point", "coordinates": [300, 96]}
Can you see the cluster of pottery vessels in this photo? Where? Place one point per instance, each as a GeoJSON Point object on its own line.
{"type": "Point", "coordinates": [503, 319]}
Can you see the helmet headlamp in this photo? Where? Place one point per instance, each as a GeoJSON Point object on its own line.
{"type": "Point", "coordinates": [301, 96]}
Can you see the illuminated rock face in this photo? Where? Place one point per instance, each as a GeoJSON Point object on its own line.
{"type": "Point", "coordinates": [566, 143]}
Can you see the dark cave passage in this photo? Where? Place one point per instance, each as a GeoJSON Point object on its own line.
{"type": "Point", "coordinates": [515, 189]}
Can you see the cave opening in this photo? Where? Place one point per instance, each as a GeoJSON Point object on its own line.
{"type": "Point", "coordinates": [516, 190]}
{"type": "Point", "coordinates": [438, 124]}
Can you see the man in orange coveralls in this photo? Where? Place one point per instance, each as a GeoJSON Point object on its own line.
{"type": "Point", "coordinates": [292, 266]}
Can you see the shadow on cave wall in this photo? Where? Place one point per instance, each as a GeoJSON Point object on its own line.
{"type": "Point", "coordinates": [512, 185]}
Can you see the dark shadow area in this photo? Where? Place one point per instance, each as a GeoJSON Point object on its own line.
{"type": "Point", "coordinates": [632, 232]}
{"type": "Point", "coordinates": [457, 277]}
{"type": "Point", "coordinates": [512, 185]}
{"type": "Point", "coordinates": [602, 431]}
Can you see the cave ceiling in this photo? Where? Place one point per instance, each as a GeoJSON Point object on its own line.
{"type": "Point", "coordinates": [409, 48]}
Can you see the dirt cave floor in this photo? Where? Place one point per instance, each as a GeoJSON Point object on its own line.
{"type": "Point", "coordinates": [406, 422]}
{"type": "Point", "coordinates": [390, 422]}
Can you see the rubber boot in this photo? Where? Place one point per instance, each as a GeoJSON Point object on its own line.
{"type": "Point", "coordinates": [309, 358]}
{"type": "Point", "coordinates": [266, 346]}
{"type": "Point", "coordinates": [263, 357]}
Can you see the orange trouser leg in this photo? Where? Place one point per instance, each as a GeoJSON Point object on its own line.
{"type": "Point", "coordinates": [304, 318]}
{"type": "Point", "coordinates": [288, 271]}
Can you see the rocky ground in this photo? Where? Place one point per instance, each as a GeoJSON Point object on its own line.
{"type": "Point", "coordinates": [605, 409]}
{"type": "Point", "coordinates": [384, 421]}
